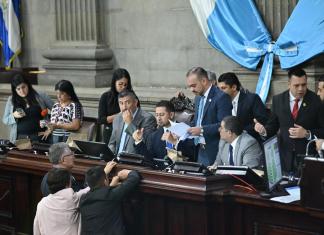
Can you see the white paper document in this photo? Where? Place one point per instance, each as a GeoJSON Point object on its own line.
{"type": "Point", "coordinates": [294, 195]}
{"type": "Point", "coordinates": [180, 129]}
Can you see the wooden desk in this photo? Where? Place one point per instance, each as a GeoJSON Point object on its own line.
{"type": "Point", "coordinates": [164, 204]}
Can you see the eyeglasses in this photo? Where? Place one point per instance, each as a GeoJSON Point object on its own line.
{"type": "Point", "coordinates": [68, 155]}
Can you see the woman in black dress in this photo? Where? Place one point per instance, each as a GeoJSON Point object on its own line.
{"type": "Point", "coordinates": [108, 104]}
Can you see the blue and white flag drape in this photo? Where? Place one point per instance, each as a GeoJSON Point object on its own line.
{"type": "Point", "coordinates": [235, 28]}
{"type": "Point", "coordinates": [304, 29]}
{"type": "Point", "coordinates": [10, 30]}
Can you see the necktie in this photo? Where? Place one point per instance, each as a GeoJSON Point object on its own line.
{"type": "Point", "coordinates": [294, 112]}
{"type": "Point", "coordinates": [122, 139]}
{"type": "Point", "coordinates": [231, 159]}
{"type": "Point", "coordinates": [200, 111]}
{"type": "Point", "coordinates": [169, 145]}
{"type": "Point", "coordinates": [199, 118]}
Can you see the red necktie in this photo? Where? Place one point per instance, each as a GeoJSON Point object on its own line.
{"type": "Point", "coordinates": [294, 112]}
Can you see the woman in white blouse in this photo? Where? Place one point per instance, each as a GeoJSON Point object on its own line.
{"type": "Point", "coordinates": [66, 114]}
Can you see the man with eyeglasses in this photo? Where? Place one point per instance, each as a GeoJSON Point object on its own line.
{"type": "Point", "coordinates": [236, 147]}
{"type": "Point", "coordinates": [161, 139]}
{"type": "Point", "coordinates": [61, 156]}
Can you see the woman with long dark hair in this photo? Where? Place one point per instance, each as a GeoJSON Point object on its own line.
{"type": "Point", "coordinates": [24, 108]}
{"type": "Point", "coordinates": [66, 114]}
{"type": "Point", "coordinates": [108, 104]}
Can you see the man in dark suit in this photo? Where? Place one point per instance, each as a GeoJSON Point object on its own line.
{"type": "Point", "coordinates": [101, 207]}
{"type": "Point", "coordinates": [298, 115]}
{"type": "Point", "coordinates": [211, 106]}
{"type": "Point", "coordinates": [161, 139]}
{"type": "Point", "coordinates": [246, 106]}
{"type": "Point", "coordinates": [237, 147]}
{"type": "Point", "coordinates": [320, 88]}
{"type": "Point", "coordinates": [127, 121]}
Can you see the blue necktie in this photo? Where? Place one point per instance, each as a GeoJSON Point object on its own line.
{"type": "Point", "coordinates": [122, 139]}
{"type": "Point", "coordinates": [169, 145]}
{"type": "Point", "coordinates": [199, 117]}
{"type": "Point", "coordinates": [200, 111]}
{"type": "Point", "coordinates": [231, 159]}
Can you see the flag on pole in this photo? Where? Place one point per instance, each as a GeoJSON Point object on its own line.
{"type": "Point", "coordinates": [10, 30]}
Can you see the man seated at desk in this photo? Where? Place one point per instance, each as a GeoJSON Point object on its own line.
{"type": "Point", "coordinates": [236, 147]}
{"type": "Point", "coordinates": [127, 121]}
{"type": "Point", "coordinates": [161, 139]}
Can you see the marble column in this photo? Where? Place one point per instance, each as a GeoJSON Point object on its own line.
{"type": "Point", "coordinates": [275, 14]}
{"type": "Point", "coordinates": [78, 52]}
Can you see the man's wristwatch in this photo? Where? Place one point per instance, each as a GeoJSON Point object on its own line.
{"type": "Point", "coordinates": [201, 131]}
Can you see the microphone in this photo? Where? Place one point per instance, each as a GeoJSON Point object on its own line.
{"type": "Point", "coordinates": [320, 153]}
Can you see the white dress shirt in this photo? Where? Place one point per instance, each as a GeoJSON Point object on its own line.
{"type": "Point", "coordinates": [292, 102]}
{"type": "Point", "coordinates": [235, 104]}
{"type": "Point", "coordinates": [206, 95]}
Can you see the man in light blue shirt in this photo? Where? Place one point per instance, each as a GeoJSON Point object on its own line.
{"type": "Point", "coordinates": [127, 121]}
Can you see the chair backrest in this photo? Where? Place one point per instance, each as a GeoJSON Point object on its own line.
{"type": "Point", "coordinates": [87, 132]}
{"type": "Point", "coordinates": [88, 127]}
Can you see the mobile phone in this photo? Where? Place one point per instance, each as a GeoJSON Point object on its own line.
{"type": "Point", "coordinates": [21, 111]}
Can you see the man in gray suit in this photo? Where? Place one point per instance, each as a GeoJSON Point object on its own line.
{"type": "Point", "coordinates": [236, 147]}
{"type": "Point", "coordinates": [127, 121]}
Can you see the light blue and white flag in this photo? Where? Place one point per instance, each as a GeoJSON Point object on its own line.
{"type": "Point", "coordinates": [229, 25]}
{"type": "Point", "coordinates": [304, 30]}
{"type": "Point", "coordinates": [235, 28]}
{"type": "Point", "coordinates": [10, 30]}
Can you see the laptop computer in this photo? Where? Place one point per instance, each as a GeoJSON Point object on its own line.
{"type": "Point", "coordinates": [272, 163]}
{"type": "Point", "coordinates": [95, 150]}
{"type": "Point", "coordinates": [275, 181]}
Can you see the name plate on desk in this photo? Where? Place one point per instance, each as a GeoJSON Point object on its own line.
{"type": "Point", "coordinates": [244, 172]}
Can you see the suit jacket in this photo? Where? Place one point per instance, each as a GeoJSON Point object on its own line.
{"type": "Point", "coordinates": [142, 119]}
{"type": "Point", "coordinates": [250, 106]}
{"type": "Point", "coordinates": [247, 152]}
{"type": "Point", "coordinates": [101, 208]}
{"type": "Point", "coordinates": [155, 147]}
{"type": "Point", "coordinates": [310, 116]}
{"type": "Point", "coordinates": [218, 105]}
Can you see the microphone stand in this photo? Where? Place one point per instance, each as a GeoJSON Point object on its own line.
{"type": "Point", "coordinates": [307, 146]}
{"type": "Point", "coordinates": [320, 154]}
